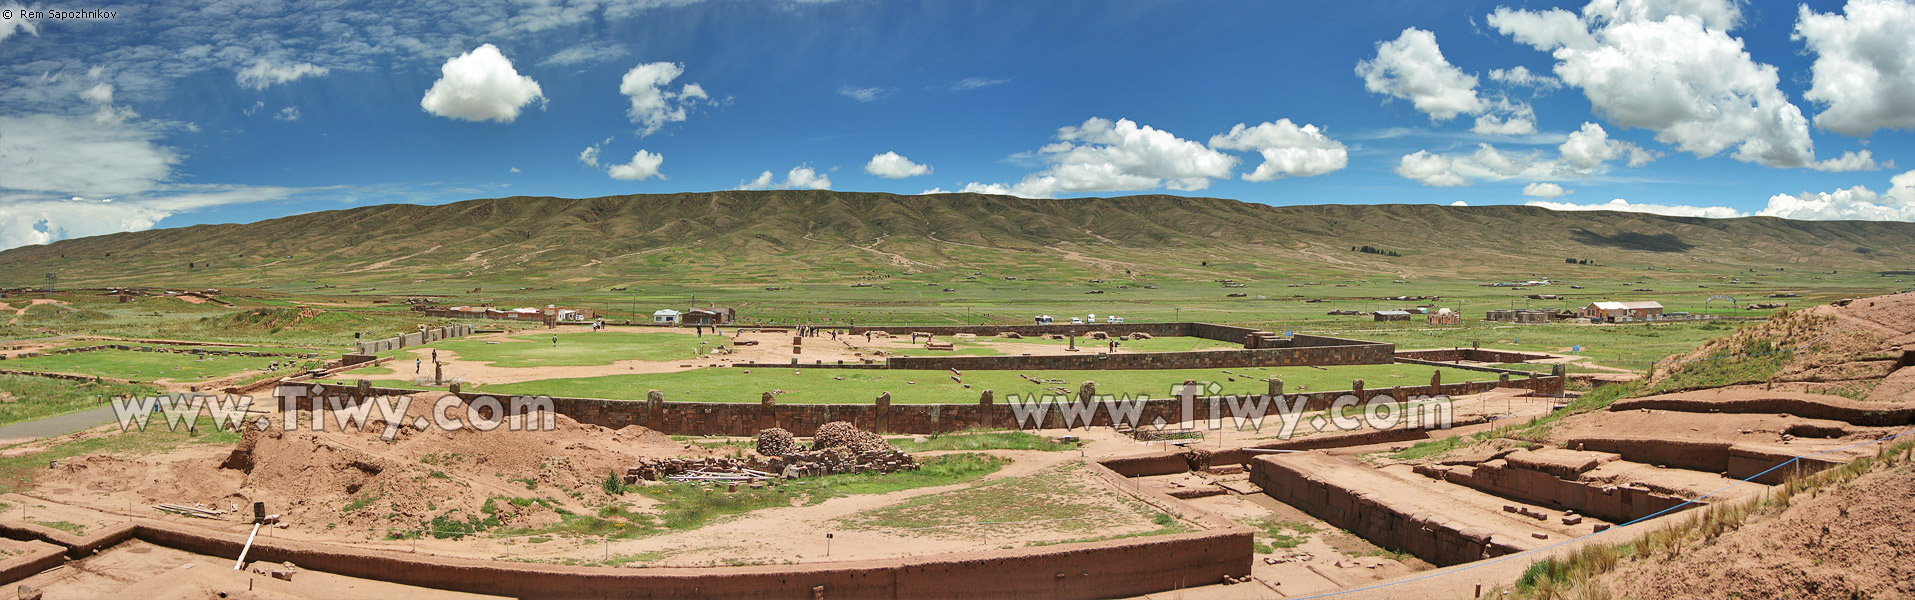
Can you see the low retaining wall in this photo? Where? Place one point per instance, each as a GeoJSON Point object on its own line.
{"type": "Point", "coordinates": [1735, 461]}
{"type": "Point", "coordinates": [43, 556]}
{"type": "Point", "coordinates": [1479, 368]}
{"type": "Point", "coordinates": [1317, 351]}
{"type": "Point", "coordinates": [193, 351]}
{"type": "Point", "coordinates": [65, 376]}
{"type": "Point", "coordinates": [74, 546]}
{"type": "Point", "coordinates": [1114, 329]}
{"type": "Point", "coordinates": [1608, 502]}
{"type": "Point", "coordinates": [1410, 529]}
{"type": "Point", "coordinates": [747, 418]}
{"type": "Point", "coordinates": [1874, 414]}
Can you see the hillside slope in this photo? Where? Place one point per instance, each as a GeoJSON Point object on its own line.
{"type": "Point", "coordinates": [824, 236]}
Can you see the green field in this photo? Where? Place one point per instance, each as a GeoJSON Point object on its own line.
{"type": "Point", "coordinates": [860, 386]}
{"type": "Point", "coordinates": [582, 349]}
{"type": "Point", "coordinates": [141, 366]}
{"type": "Point", "coordinates": [25, 397]}
{"type": "Point", "coordinates": [1628, 346]}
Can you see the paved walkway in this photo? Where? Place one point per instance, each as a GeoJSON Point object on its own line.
{"type": "Point", "coordinates": [26, 431]}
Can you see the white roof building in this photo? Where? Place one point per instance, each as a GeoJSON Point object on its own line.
{"type": "Point", "coordinates": [1626, 305]}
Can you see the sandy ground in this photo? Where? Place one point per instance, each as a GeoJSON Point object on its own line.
{"type": "Point", "coordinates": [137, 569]}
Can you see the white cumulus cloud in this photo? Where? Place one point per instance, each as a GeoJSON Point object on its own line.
{"type": "Point", "coordinates": [800, 177]}
{"type": "Point", "coordinates": [1853, 204]}
{"type": "Point", "coordinates": [1864, 70]}
{"type": "Point", "coordinates": [1902, 188]}
{"type": "Point", "coordinates": [1431, 169]}
{"type": "Point", "coordinates": [1621, 205]}
{"type": "Point", "coordinates": [1521, 76]}
{"type": "Point", "coordinates": [1102, 155]}
{"type": "Point", "coordinates": [101, 93]}
{"type": "Point", "coordinates": [1589, 147]}
{"type": "Point", "coordinates": [644, 165]}
{"type": "Point", "coordinates": [1671, 67]}
{"type": "Point", "coordinates": [1504, 117]}
{"type": "Point", "coordinates": [892, 165]}
{"type": "Point", "coordinates": [1288, 150]}
{"type": "Point", "coordinates": [1545, 190]}
{"type": "Point", "coordinates": [1412, 67]}
{"type": "Point", "coordinates": [653, 102]}
{"type": "Point", "coordinates": [480, 85]}
{"type": "Point", "coordinates": [1857, 203]}
{"type": "Point", "coordinates": [265, 73]}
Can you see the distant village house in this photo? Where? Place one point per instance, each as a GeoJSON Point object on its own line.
{"type": "Point", "coordinates": [1621, 311]}
{"type": "Point", "coordinates": [708, 316]}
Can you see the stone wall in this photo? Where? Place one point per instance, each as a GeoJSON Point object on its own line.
{"type": "Point", "coordinates": [1372, 516]}
{"type": "Point", "coordinates": [426, 336]}
{"type": "Point", "coordinates": [1735, 461]}
{"type": "Point", "coordinates": [1471, 354]}
{"type": "Point", "coordinates": [990, 412]}
{"type": "Point", "coordinates": [1317, 351]}
{"type": "Point", "coordinates": [1618, 504]}
{"type": "Point", "coordinates": [1114, 329]}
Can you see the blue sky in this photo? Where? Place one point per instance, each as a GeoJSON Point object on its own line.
{"type": "Point", "coordinates": [209, 112]}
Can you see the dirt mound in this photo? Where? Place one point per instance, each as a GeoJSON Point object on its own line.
{"type": "Point", "coordinates": [1850, 541]}
{"type": "Point", "coordinates": [1832, 348]}
{"type": "Point", "coordinates": [346, 481]}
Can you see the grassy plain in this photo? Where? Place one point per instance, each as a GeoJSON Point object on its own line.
{"type": "Point", "coordinates": [581, 349]}
{"type": "Point", "coordinates": [27, 397]}
{"type": "Point", "coordinates": [142, 366]}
